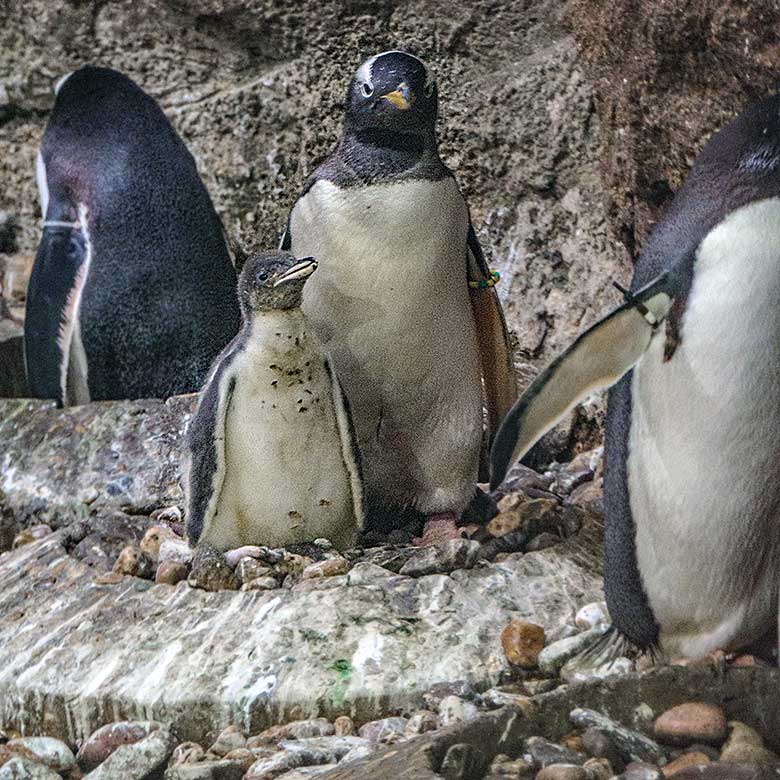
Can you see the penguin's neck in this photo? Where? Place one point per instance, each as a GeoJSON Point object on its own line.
{"type": "Point", "coordinates": [374, 153]}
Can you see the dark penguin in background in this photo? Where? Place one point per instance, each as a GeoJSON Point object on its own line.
{"type": "Point", "coordinates": [692, 499]}
{"type": "Point", "coordinates": [270, 454]}
{"type": "Point", "coordinates": [133, 293]}
{"type": "Point", "coordinates": [403, 300]}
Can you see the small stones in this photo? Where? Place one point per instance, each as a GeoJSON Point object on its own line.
{"type": "Point", "coordinates": [292, 564]}
{"type": "Point", "coordinates": [133, 562]}
{"type": "Point", "coordinates": [171, 573]}
{"type": "Point", "coordinates": [187, 753]}
{"type": "Point", "coordinates": [229, 739]}
{"type": "Point", "coordinates": [640, 770]}
{"type": "Point", "coordinates": [745, 746]}
{"type": "Point", "coordinates": [685, 761]}
{"type": "Point", "coordinates": [463, 762]}
{"type": "Point", "coordinates": [274, 766]}
{"type": "Point", "coordinates": [593, 614]}
{"type": "Point", "coordinates": [522, 643]}
{"type": "Point", "coordinates": [421, 722]}
{"type": "Point", "coordinates": [542, 753]}
{"type": "Point", "coordinates": [175, 550]}
{"type": "Point", "coordinates": [248, 569]}
{"type": "Point", "coordinates": [298, 729]}
{"type": "Point", "coordinates": [384, 730]}
{"type": "Point", "coordinates": [153, 539]}
{"type": "Point", "coordinates": [137, 760]}
{"type": "Point", "coordinates": [598, 769]}
{"type": "Point", "coordinates": [19, 768]}
{"type": "Point", "coordinates": [504, 767]}
{"type": "Point", "coordinates": [327, 749]}
{"type": "Point", "coordinates": [691, 722]}
{"type": "Point", "coordinates": [442, 559]}
{"type": "Point", "coordinates": [211, 572]}
{"type": "Point", "coordinates": [562, 772]}
{"type": "Point", "coordinates": [51, 752]}
{"type": "Point", "coordinates": [206, 770]}
{"type": "Point", "coordinates": [455, 710]}
{"type": "Point", "coordinates": [265, 554]}
{"type": "Point", "coordinates": [631, 745]}
{"type": "Point", "coordinates": [261, 583]}
{"type": "Point", "coordinates": [330, 567]}
{"type": "Point", "coordinates": [504, 523]}
{"type": "Point", "coordinates": [343, 726]}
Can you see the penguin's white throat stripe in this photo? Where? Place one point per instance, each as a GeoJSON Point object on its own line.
{"type": "Point", "coordinates": [53, 223]}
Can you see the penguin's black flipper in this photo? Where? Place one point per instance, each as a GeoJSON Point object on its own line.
{"type": "Point", "coordinates": [495, 348]}
{"type": "Point", "coordinates": [596, 360]}
{"type": "Point", "coordinates": [205, 443]}
{"type": "Point", "coordinates": [52, 300]}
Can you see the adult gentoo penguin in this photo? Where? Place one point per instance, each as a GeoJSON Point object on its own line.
{"type": "Point", "coordinates": [270, 455]}
{"type": "Point", "coordinates": [403, 300]}
{"type": "Point", "coordinates": [133, 293]}
{"type": "Point", "coordinates": [692, 549]}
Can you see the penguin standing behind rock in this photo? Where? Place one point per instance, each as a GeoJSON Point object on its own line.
{"type": "Point", "coordinates": [271, 458]}
{"type": "Point", "coordinates": [692, 499]}
{"type": "Point", "coordinates": [403, 301]}
{"type": "Point", "coordinates": [133, 293]}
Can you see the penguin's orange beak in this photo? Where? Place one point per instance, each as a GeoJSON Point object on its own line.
{"type": "Point", "coordinates": [402, 97]}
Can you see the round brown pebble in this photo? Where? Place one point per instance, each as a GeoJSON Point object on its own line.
{"type": "Point", "coordinates": [171, 573]}
{"type": "Point", "coordinates": [745, 746]}
{"type": "Point", "coordinates": [691, 722]}
{"type": "Point", "coordinates": [134, 562]}
{"type": "Point", "coordinates": [562, 772]}
{"type": "Point", "coordinates": [685, 761]}
{"type": "Point", "coordinates": [522, 643]}
{"type": "Point", "coordinates": [344, 726]}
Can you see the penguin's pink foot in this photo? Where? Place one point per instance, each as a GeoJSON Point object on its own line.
{"type": "Point", "coordinates": [439, 527]}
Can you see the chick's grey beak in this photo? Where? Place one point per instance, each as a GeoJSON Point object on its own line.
{"type": "Point", "coordinates": [305, 267]}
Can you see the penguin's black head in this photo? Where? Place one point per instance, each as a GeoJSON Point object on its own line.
{"type": "Point", "coordinates": [392, 91]}
{"type": "Point", "coordinates": [273, 280]}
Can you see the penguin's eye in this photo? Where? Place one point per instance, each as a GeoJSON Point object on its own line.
{"type": "Point", "coordinates": [366, 89]}
{"type": "Point", "coordinates": [429, 88]}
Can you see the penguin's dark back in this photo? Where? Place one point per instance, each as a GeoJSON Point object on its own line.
{"type": "Point", "coordinates": [160, 299]}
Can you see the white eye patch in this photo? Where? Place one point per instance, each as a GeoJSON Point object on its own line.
{"type": "Point", "coordinates": [363, 75]}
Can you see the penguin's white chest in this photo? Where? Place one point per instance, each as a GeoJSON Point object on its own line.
{"type": "Point", "coordinates": [390, 302]}
{"type": "Point", "coordinates": [705, 443]}
{"type": "Point", "coordinates": [287, 478]}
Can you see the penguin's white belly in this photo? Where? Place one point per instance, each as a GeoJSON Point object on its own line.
{"type": "Point", "coordinates": [390, 302]}
{"type": "Point", "coordinates": [704, 446]}
{"type": "Point", "coordinates": [285, 479]}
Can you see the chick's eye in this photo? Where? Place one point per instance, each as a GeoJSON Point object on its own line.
{"type": "Point", "coordinates": [366, 89]}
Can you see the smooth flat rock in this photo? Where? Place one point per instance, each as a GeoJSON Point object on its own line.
{"type": "Point", "coordinates": [81, 654]}
{"type": "Point", "coordinates": [57, 465]}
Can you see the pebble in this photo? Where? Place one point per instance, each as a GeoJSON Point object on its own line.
{"type": "Point", "coordinates": [332, 748]}
{"type": "Point", "coordinates": [434, 696]}
{"type": "Point", "coordinates": [261, 583]}
{"type": "Point", "coordinates": [726, 771]}
{"type": "Point", "coordinates": [175, 550]}
{"type": "Point", "coordinates": [362, 751]}
{"type": "Point", "coordinates": [577, 670]}
{"type": "Point", "coordinates": [522, 643]}
{"type": "Point", "coordinates": [211, 572]}
{"type": "Point", "coordinates": [643, 718]}
{"type": "Point", "coordinates": [442, 559]}
{"type": "Point", "coordinates": [598, 769]}
{"type": "Point", "coordinates": [271, 557]}
{"type": "Point", "coordinates": [51, 752]}
{"type": "Point", "coordinates": [745, 746]}
{"type": "Point", "coordinates": [103, 742]}
{"type": "Point", "coordinates": [505, 522]}
{"type": "Point", "coordinates": [171, 573]}
{"type": "Point", "coordinates": [297, 729]}
{"type": "Point", "coordinates": [246, 757]}
{"type": "Point", "coordinates": [228, 739]}
{"type": "Point", "coordinates": [31, 534]}
{"type": "Point", "coordinates": [631, 745]}
{"type": "Point", "coordinates": [691, 722]}
{"type": "Point", "coordinates": [463, 762]}
{"type": "Point", "coordinates": [294, 564]}
{"type": "Point", "coordinates": [134, 562]}
{"type": "Point", "coordinates": [504, 767]}
{"type": "Point", "coordinates": [153, 539]}
{"type": "Point", "coordinates": [274, 766]}
{"type": "Point", "coordinates": [453, 709]}
{"type": "Point", "coordinates": [683, 762]}
{"type": "Point", "coordinates": [206, 770]}
{"type": "Point", "coordinates": [494, 698]}
{"type": "Point", "coordinates": [187, 753]}
{"type": "Point", "coordinates": [344, 726]}
{"type": "Point", "coordinates": [543, 542]}
{"type": "Point", "coordinates": [562, 772]}
{"type": "Point", "coordinates": [330, 567]}
{"type": "Point", "coordinates": [248, 569]}
{"type": "Point", "coordinates": [136, 761]}
{"type": "Point", "coordinates": [542, 753]}
{"type": "Point", "coordinates": [381, 730]}
{"type": "Point", "coordinates": [366, 574]}
{"type": "Point", "coordinates": [19, 768]}
{"type": "Point", "coordinates": [640, 770]}
{"type": "Point", "coordinates": [593, 614]}
{"type": "Point", "coordinates": [556, 654]}
{"type": "Point", "coordinates": [421, 722]}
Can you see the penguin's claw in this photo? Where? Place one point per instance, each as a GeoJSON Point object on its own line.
{"type": "Point", "coordinates": [439, 528]}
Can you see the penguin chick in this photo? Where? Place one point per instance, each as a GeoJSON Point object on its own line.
{"type": "Point", "coordinates": [270, 452]}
